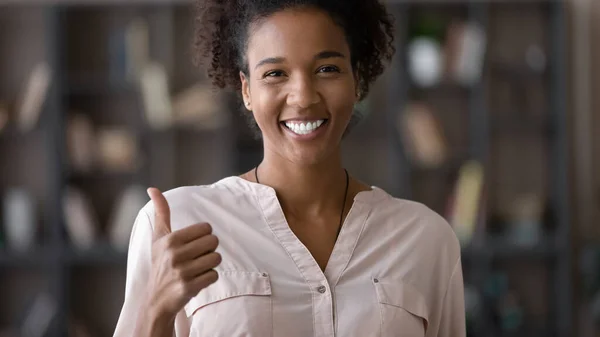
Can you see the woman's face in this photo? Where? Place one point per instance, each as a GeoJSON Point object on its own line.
{"type": "Point", "coordinates": [301, 87]}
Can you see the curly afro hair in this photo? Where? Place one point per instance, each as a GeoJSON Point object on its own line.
{"type": "Point", "coordinates": [221, 34]}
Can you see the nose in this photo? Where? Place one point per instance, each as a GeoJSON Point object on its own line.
{"type": "Point", "coordinates": [303, 93]}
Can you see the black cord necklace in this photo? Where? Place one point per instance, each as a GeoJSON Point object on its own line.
{"type": "Point", "coordinates": [343, 203]}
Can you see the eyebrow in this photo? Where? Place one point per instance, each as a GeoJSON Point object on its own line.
{"type": "Point", "coordinates": [320, 56]}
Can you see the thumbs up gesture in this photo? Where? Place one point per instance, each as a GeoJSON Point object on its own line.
{"type": "Point", "coordinates": [182, 261]}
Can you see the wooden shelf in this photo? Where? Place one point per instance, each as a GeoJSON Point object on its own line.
{"type": "Point", "coordinates": [37, 257]}
{"type": "Point", "coordinates": [102, 254]}
{"type": "Point", "coordinates": [517, 73]}
{"type": "Point", "coordinates": [445, 88]}
{"type": "Point", "coordinates": [100, 175]}
{"type": "Point", "coordinates": [11, 133]}
{"type": "Point", "coordinates": [525, 332]}
{"type": "Point", "coordinates": [500, 249]}
{"type": "Point", "coordinates": [91, 87]}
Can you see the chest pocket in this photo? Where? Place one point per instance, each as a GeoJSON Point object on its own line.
{"type": "Point", "coordinates": [403, 309]}
{"type": "Point", "coordinates": [238, 304]}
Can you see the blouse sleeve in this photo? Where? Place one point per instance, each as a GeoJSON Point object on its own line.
{"type": "Point", "coordinates": [139, 262]}
{"type": "Point", "coordinates": [138, 272]}
{"type": "Point", "coordinates": [452, 320]}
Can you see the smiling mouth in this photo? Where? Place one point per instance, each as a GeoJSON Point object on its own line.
{"type": "Point", "coordinates": [304, 127]}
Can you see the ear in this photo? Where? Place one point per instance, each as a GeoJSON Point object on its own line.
{"type": "Point", "coordinates": [246, 90]}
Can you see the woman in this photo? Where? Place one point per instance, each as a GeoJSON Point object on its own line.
{"type": "Point", "coordinates": [296, 247]}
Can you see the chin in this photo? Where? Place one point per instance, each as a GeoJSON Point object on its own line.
{"type": "Point", "coordinates": [303, 154]}
{"type": "Point", "coordinates": [309, 158]}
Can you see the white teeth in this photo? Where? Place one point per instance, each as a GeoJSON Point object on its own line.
{"type": "Point", "coordinates": [304, 128]}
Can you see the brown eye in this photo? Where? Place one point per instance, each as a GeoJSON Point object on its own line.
{"type": "Point", "coordinates": [329, 69]}
{"type": "Point", "coordinates": [275, 73]}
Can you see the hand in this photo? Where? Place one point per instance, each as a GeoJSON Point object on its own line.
{"type": "Point", "coordinates": [182, 262]}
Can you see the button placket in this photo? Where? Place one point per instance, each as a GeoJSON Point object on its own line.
{"type": "Point", "coordinates": [323, 310]}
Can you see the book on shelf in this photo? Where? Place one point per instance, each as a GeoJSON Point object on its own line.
{"type": "Point", "coordinates": [129, 49]}
{"type": "Point", "coordinates": [39, 315]}
{"type": "Point", "coordinates": [201, 107]}
{"type": "Point", "coordinates": [117, 149]}
{"type": "Point", "coordinates": [19, 221]}
{"type": "Point", "coordinates": [124, 213]}
{"type": "Point", "coordinates": [437, 51]}
{"type": "Point", "coordinates": [422, 135]}
{"type": "Point", "coordinates": [464, 50]}
{"type": "Point", "coordinates": [117, 63]}
{"type": "Point", "coordinates": [524, 219]}
{"type": "Point", "coordinates": [137, 48]}
{"type": "Point", "coordinates": [467, 202]}
{"type": "Point", "coordinates": [81, 142]}
{"type": "Point", "coordinates": [156, 96]}
{"type": "Point", "coordinates": [110, 148]}
{"type": "Point", "coordinates": [80, 219]}
{"type": "Point", "coordinates": [34, 95]}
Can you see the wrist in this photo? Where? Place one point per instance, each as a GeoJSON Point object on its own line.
{"type": "Point", "coordinates": [160, 321]}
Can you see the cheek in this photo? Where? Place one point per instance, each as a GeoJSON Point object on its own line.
{"type": "Point", "coordinates": [266, 103]}
{"type": "Point", "coordinates": [340, 99]}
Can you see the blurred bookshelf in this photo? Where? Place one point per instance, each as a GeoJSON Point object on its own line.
{"type": "Point", "coordinates": [494, 159]}
{"type": "Point", "coordinates": [504, 127]}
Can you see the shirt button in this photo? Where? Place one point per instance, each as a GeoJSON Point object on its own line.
{"type": "Point", "coordinates": [376, 280]}
{"type": "Point", "coordinates": [322, 289]}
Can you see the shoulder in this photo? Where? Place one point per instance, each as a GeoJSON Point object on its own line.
{"type": "Point", "coordinates": [188, 203]}
{"type": "Point", "coordinates": [424, 242]}
{"type": "Point", "coordinates": [429, 229]}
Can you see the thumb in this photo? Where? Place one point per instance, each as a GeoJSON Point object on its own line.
{"type": "Point", "coordinates": [162, 214]}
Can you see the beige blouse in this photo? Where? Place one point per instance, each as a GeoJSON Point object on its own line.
{"type": "Point", "coordinates": [395, 269]}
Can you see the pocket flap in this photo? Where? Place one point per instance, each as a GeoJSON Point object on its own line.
{"type": "Point", "coordinates": [402, 295]}
{"type": "Point", "coordinates": [230, 284]}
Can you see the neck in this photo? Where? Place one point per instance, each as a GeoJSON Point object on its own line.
{"type": "Point", "coordinates": [305, 190]}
